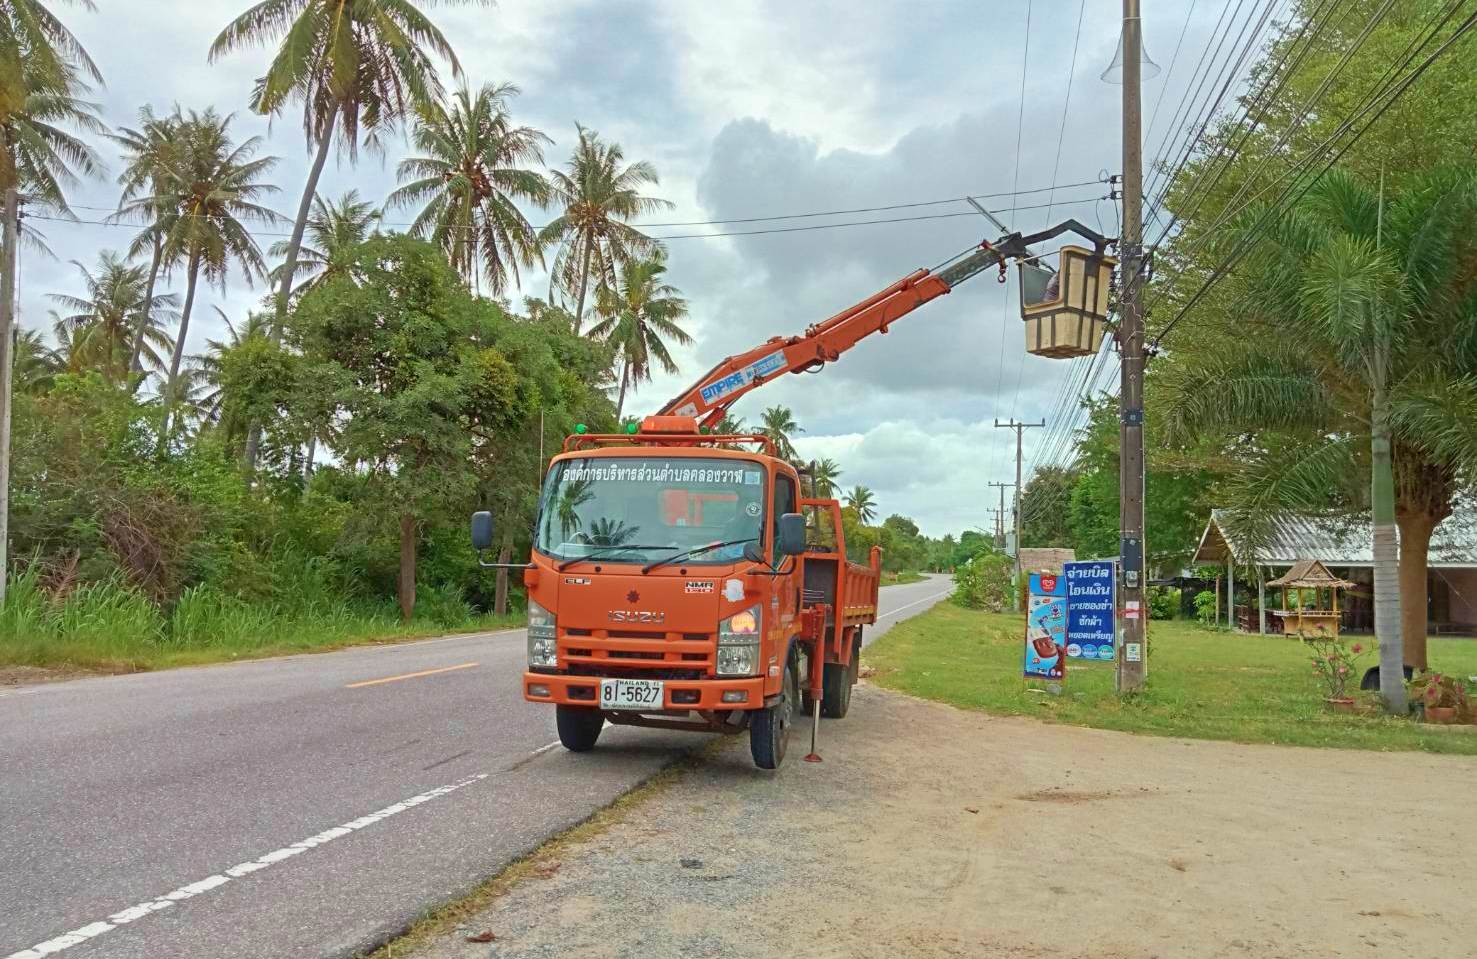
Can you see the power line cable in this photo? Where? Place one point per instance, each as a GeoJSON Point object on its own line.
{"type": "Point", "coordinates": [1236, 204]}
{"type": "Point", "coordinates": [1389, 94]}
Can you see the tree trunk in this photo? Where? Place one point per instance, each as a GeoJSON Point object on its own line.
{"type": "Point", "coordinates": [135, 358]}
{"type": "Point", "coordinates": [405, 588]}
{"type": "Point", "coordinates": [179, 350]}
{"type": "Point", "coordinates": [500, 596]}
{"type": "Point", "coordinates": [10, 213]}
{"type": "Point", "coordinates": [620, 403]}
{"type": "Point", "coordinates": [579, 309]}
{"type": "Point", "coordinates": [1386, 559]}
{"type": "Point", "coordinates": [308, 462]}
{"type": "Point", "coordinates": [289, 267]}
{"type": "Point", "coordinates": [1415, 542]}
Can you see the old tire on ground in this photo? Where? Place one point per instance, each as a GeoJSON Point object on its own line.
{"type": "Point", "coordinates": [579, 728]}
{"type": "Point", "coordinates": [769, 729]}
{"type": "Point", "coordinates": [838, 680]}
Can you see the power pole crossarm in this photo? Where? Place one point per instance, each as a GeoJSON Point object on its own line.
{"type": "Point", "coordinates": [1000, 514]}
{"type": "Point", "coordinates": [1020, 429]}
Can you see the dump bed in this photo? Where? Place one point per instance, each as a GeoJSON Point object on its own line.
{"type": "Point", "coordinates": [848, 589]}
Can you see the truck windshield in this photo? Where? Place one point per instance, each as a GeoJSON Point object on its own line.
{"type": "Point", "coordinates": [653, 506]}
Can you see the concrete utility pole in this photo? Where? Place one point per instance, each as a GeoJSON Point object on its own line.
{"type": "Point", "coordinates": [1132, 657]}
{"type": "Point", "coordinates": [1019, 428]}
{"type": "Point", "coordinates": [10, 213]}
{"type": "Point", "coordinates": [1000, 515]}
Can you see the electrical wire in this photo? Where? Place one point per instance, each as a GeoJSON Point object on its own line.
{"type": "Point", "coordinates": [682, 236]}
{"type": "Point", "coordinates": [781, 216]}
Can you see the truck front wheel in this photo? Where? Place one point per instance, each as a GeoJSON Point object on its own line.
{"type": "Point", "coordinates": [578, 727]}
{"type": "Point", "coordinates": [769, 729]}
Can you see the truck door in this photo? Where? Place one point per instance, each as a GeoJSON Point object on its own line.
{"type": "Point", "coordinates": [785, 598]}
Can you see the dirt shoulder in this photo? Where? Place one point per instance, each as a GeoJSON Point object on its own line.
{"type": "Point", "coordinates": [934, 832]}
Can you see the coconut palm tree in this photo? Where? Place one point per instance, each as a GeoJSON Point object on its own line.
{"type": "Point", "coordinates": [468, 181]}
{"type": "Point", "coordinates": [206, 392]}
{"type": "Point", "coordinates": [356, 66]}
{"type": "Point", "coordinates": [1368, 309]}
{"type": "Point", "coordinates": [864, 503]}
{"type": "Point", "coordinates": [148, 151]}
{"type": "Point", "coordinates": [730, 424]}
{"type": "Point", "coordinates": [204, 202]}
{"type": "Point", "coordinates": [639, 317]}
{"type": "Point", "coordinates": [36, 364]}
{"type": "Point", "coordinates": [112, 314]}
{"type": "Point", "coordinates": [825, 474]}
{"type": "Point", "coordinates": [336, 229]}
{"type": "Point", "coordinates": [779, 426]}
{"type": "Point", "coordinates": [596, 193]}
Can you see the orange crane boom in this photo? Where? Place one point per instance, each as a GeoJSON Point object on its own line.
{"type": "Point", "coordinates": [710, 398]}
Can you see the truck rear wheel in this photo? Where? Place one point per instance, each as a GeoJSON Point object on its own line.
{"type": "Point", "coordinates": [838, 680]}
{"type": "Point", "coordinates": [579, 728]}
{"type": "Point", "coordinates": [769, 729]}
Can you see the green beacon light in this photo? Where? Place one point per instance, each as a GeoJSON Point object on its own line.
{"type": "Point", "coordinates": [581, 429]}
{"type": "Point", "coordinates": [631, 428]}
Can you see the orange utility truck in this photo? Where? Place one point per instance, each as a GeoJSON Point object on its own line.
{"type": "Point", "coordinates": [682, 579]}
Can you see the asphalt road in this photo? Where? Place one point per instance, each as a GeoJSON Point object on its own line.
{"type": "Point", "coordinates": [303, 806]}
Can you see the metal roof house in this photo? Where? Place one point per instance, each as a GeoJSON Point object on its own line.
{"type": "Point", "coordinates": [1345, 545]}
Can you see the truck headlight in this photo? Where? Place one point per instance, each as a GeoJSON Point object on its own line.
{"type": "Point", "coordinates": [542, 641]}
{"type": "Point", "coordinates": [738, 643]}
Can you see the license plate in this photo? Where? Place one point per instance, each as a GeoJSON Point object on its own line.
{"type": "Point", "coordinates": [631, 694]}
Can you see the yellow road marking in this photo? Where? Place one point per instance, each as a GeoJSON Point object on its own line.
{"type": "Point", "coordinates": [424, 672]}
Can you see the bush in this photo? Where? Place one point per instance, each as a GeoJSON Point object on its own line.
{"type": "Point", "coordinates": [1164, 602]}
{"type": "Point", "coordinates": [983, 582]}
{"type": "Point", "coordinates": [1205, 607]}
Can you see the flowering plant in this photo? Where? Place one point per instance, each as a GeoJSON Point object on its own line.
{"type": "Point", "coordinates": [1334, 663]}
{"type": "Point", "coordinates": [1437, 690]}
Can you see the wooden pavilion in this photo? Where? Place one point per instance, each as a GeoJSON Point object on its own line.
{"type": "Point", "coordinates": [1317, 618]}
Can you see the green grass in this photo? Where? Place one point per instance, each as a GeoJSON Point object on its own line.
{"type": "Point", "coordinates": [903, 578]}
{"type": "Point", "coordinates": [108, 627]}
{"type": "Point", "coordinates": [1202, 684]}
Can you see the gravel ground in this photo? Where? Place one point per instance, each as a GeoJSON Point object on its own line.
{"type": "Point", "coordinates": [934, 832]}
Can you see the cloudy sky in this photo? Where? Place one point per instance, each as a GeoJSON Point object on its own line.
{"type": "Point", "coordinates": [756, 109]}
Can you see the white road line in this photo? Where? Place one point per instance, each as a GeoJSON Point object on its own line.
{"type": "Point", "coordinates": [543, 749]}
{"type": "Point", "coordinates": [123, 917]}
{"type": "Point", "coordinates": [893, 612]}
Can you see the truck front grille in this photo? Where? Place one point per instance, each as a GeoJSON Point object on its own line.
{"type": "Point", "coordinates": [596, 652]}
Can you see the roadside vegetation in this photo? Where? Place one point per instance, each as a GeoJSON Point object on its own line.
{"type": "Point", "coordinates": [1203, 684]}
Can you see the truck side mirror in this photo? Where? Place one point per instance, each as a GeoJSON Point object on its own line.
{"type": "Point", "coordinates": [482, 530]}
{"type": "Point", "coordinates": [791, 534]}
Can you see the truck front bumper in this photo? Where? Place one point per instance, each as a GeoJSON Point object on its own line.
{"type": "Point", "coordinates": [678, 695]}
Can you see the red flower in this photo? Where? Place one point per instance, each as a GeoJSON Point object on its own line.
{"type": "Point", "coordinates": [1357, 648]}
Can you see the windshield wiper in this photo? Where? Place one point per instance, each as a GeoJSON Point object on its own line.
{"type": "Point", "coordinates": [605, 551]}
{"type": "Point", "coordinates": [694, 551]}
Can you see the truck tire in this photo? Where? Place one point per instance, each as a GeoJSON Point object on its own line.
{"type": "Point", "coordinates": [579, 728]}
{"type": "Point", "coordinates": [838, 680]}
{"type": "Point", "coordinates": [769, 730]}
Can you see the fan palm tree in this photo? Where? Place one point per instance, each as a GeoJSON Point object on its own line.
{"type": "Point", "coordinates": [148, 151]}
{"type": "Point", "coordinates": [470, 175]}
{"type": "Point", "coordinates": [639, 317]}
{"type": "Point", "coordinates": [864, 503]}
{"type": "Point", "coordinates": [336, 229]}
{"type": "Point", "coordinates": [780, 426]}
{"type": "Point", "coordinates": [102, 322]}
{"type": "Point", "coordinates": [825, 474]}
{"type": "Point", "coordinates": [1370, 309]}
{"type": "Point", "coordinates": [356, 65]}
{"type": "Point", "coordinates": [597, 192]}
{"type": "Point", "coordinates": [204, 201]}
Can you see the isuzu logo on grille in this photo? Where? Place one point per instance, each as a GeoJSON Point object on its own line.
{"type": "Point", "coordinates": [636, 616]}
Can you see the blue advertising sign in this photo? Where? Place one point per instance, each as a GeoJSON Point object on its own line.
{"type": "Point", "coordinates": [1091, 610]}
{"type": "Point", "coordinates": [1046, 628]}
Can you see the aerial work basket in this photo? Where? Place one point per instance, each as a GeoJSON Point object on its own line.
{"type": "Point", "coordinates": [1066, 312]}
